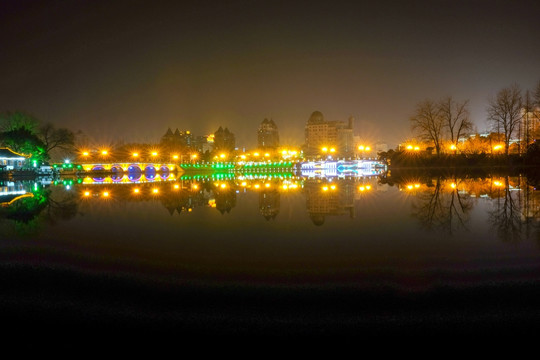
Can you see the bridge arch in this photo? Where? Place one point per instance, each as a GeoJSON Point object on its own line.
{"type": "Point", "coordinates": [117, 169]}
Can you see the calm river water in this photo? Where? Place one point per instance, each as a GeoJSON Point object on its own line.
{"type": "Point", "coordinates": [276, 254]}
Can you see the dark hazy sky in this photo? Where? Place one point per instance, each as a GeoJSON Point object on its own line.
{"type": "Point", "coordinates": [130, 69]}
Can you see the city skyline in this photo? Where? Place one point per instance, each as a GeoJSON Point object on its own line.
{"type": "Point", "coordinates": [135, 68]}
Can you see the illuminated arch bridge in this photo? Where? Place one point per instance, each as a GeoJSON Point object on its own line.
{"type": "Point", "coordinates": [131, 167]}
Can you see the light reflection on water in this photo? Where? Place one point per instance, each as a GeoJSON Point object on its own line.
{"type": "Point", "coordinates": [276, 225]}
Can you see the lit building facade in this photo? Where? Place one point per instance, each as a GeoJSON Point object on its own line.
{"type": "Point", "coordinates": [329, 137]}
{"type": "Point", "coordinates": [10, 160]}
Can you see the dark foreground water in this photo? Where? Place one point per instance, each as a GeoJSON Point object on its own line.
{"type": "Point", "coordinates": [277, 255]}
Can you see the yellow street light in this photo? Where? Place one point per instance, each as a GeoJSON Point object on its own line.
{"type": "Point", "coordinates": [332, 150]}
{"type": "Point", "coordinates": [324, 149]}
{"type": "Point", "coordinates": [175, 157]}
{"type": "Point", "coordinates": [222, 156]}
{"type": "Point", "coordinates": [104, 152]}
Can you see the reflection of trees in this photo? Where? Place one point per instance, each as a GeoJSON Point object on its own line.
{"type": "Point", "coordinates": [442, 207]}
{"type": "Point", "coordinates": [44, 206]}
{"type": "Point", "coordinates": [505, 216]}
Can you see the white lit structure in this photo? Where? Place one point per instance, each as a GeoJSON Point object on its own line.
{"type": "Point", "coordinates": [11, 160]}
{"type": "Point", "coordinates": [342, 168]}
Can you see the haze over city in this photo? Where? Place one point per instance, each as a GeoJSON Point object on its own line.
{"type": "Point", "coordinates": [135, 68]}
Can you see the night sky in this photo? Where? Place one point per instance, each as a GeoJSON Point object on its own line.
{"type": "Point", "coordinates": [127, 70]}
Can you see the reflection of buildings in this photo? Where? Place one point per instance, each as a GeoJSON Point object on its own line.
{"type": "Point", "coordinates": [321, 134]}
{"type": "Point", "coordinates": [225, 200]}
{"type": "Point", "coordinates": [329, 199]}
{"type": "Point", "coordinates": [268, 135]}
{"type": "Point", "coordinates": [269, 204]}
{"type": "Point", "coordinates": [10, 192]}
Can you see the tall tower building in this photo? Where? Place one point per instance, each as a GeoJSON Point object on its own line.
{"type": "Point", "coordinates": [224, 140]}
{"type": "Point", "coordinates": [268, 134]}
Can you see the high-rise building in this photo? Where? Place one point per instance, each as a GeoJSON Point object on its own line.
{"type": "Point", "coordinates": [224, 140]}
{"type": "Point", "coordinates": [329, 137]}
{"type": "Point", "coordinates": [268, 135]}
{"type": "Point", "coordinates": [529, 130]}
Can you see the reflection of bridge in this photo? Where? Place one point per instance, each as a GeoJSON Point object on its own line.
{"type": "Point", "coordinates": [131, 167]}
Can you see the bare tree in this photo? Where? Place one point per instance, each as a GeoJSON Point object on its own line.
{"type": "Point", "coordinates": [428, 123]}
{"type": "Point", "coordinates": [504, 112]}
{"type": "Point", "coordinates": [54, 138]}
{"type": "Point", "coordinates": [455, 118]}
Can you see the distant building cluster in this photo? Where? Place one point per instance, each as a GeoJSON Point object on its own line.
{"type": "Point", "coordinates": [181, 141]}
{"type": "Point", "coordinates": [323, 139]}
